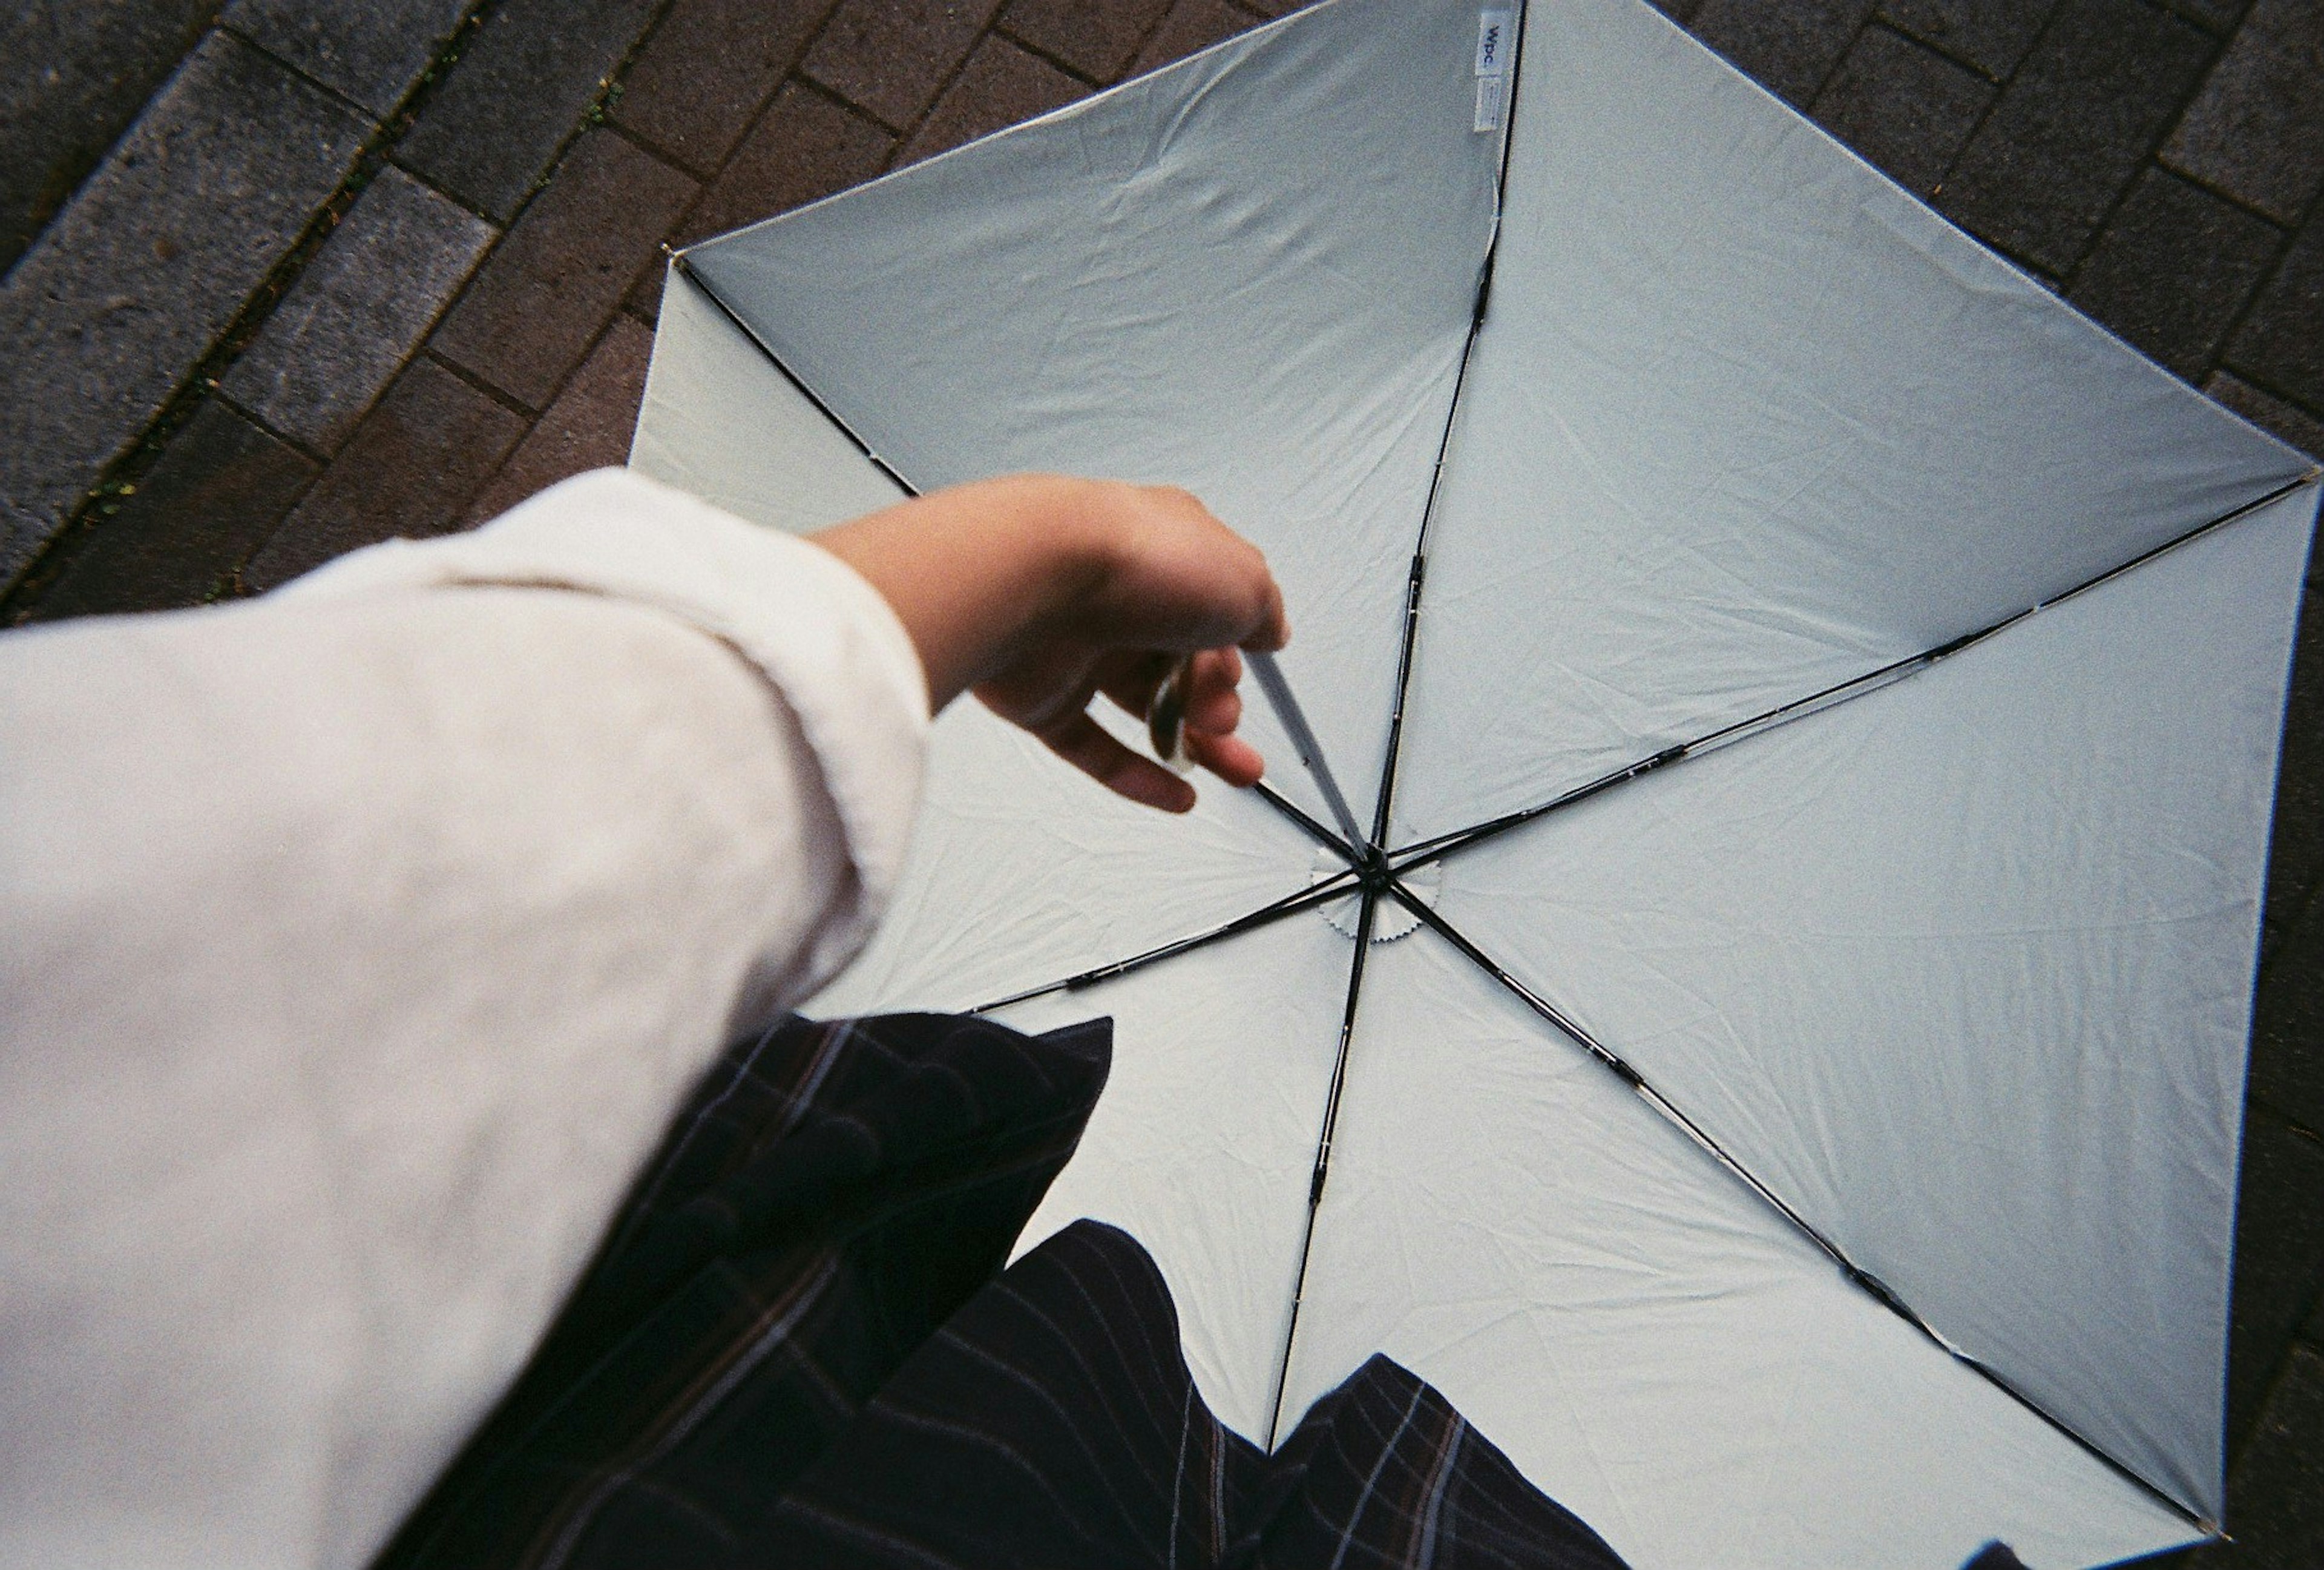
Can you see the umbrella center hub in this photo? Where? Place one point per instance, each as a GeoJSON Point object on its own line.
{"type": "Point", "coordinates": [1391, 921]}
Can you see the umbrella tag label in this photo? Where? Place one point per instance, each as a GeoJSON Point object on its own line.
{"type": "Point", "coordinates": [1493, 41]}
{"type": "Point", "coordinates": [1489, 104]}
{"type": "Point", "coordinates": [1493, 30]}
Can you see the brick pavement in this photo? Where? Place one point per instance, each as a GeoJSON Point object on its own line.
{"type": "Point", "coordinates": [383, 267]}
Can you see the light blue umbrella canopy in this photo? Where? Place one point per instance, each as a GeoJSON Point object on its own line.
{"type": "Point", "coordinates": [1813, 700]}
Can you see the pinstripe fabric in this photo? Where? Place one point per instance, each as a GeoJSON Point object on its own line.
{"type": "Point", "coordinates": [798, 1348]}
{"type": "Point", "coordinates": [831, 1196]}
{"type": "Point", "coordinates": [1054, 1422]}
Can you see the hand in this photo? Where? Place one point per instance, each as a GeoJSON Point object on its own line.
{"type": "Point", "coordinates": [1038, 592]}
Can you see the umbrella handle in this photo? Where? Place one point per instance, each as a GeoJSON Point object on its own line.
{"type": "Point", "coordinates": [1165, 718]}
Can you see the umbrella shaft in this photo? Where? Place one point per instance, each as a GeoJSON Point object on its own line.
{"type": "Point", "coordinates": [1303, 739]}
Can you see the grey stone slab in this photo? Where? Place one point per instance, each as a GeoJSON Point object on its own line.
{"type": "Point", "coordinates": [219, 488]}
{"type": "Point", "coordinates": [358, 311]}
{"type": "Point", "coordinates": [1786, 46]}
{"type": "Point", "coordinates": [410, 468]}
{"type": "Point", "coordinates": [2275, 1495]}
{"type": "Point", "coordinates": [1993, 35]}
{"type": "Point", "coordinates": [516, 93]}
{"type": "Point", "coordinates": [2279, 1259]}
{"type": "Point", "coordinates": [73, 74]}
{"type": "Point", "coordinates": [2281, 344]}
{"type": "Point", "coordinates": [2088, 104]}
{"type": "Point", "coordinates": [1903, 106]}
{"type": "Point", "coordinates": [2174, 267]}
{"type": "Point", "coordinates": [2256, 131]}
{"type": "Point", "coordinates": [372, 50]}
{"type": "Point", "coordinates": [152, 262]}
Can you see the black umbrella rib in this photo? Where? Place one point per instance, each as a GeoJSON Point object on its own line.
{"type": "Point", "coordinates": [1879, 1289]}
{"type": "Point", "coordinates": [1413, 580]}
{"type": "Point", "coordinates": [1364, 919]}
{"type": "Point", "coordinates": [1338, 886]}
{"type": "Point", "coordinates": [1352, 854]}
{"type": "Point", "coordinates": [677, 260]}
{"type": "Point", "coordinates": [1444, 844]}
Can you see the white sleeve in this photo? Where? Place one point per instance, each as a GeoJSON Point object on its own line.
{"type": "Point", "coordinates": [356, 944]}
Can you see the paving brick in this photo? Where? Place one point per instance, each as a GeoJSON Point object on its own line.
{"type": "Point", "coordinates": [1906, 108]}
{"type": "Point", "coordinates": [707, 68]}
{"type": "Point", "coordinates": [541, 298]}
{"type": "Point", "coordinates": [372, 50]}
{"type": "Point", "coordinates": [2281, 344]}
{"type": "Point", "coordinates": [407, 471]}
{"type": "Point", "coordinates": [1000, 85]}
{"type": "Point", "coordinates": [2289, 421]}
{"type": "Point", "coordinates": [1786, 46]}
{"type": "Point", "coordinates": [2090, 102]}
{"type": "Point", "coordinates": [132, 284]}
{"type": "Point", "coordinates": [360, 308]}
{"type": "Point", "coordinates": [2218, 15]}
{"type": "Point", "coordinates": [2173, 270]}
{"type": "Point", "coordinates": [2287, 1063]}
{"type": "Point", "coordinates": [2256, 131]}
{"type": "Point", "coordinates": [1191, 26]}
{"type": "Point", "coordinates": [1097, 38]}
{"type": "Point", "coordinates": [72, 77]}
{"type": "Point", "coordinates": [1993, 35]}
{"type": "Point", "coordinates": [2295, 865]}
{"type": "Point", "coordinates": [890, 58]}
{"type": "Point", "coordinates": [217, 491]}
{"type": "Point", "coordinates": [805, 146]}
{"type": "Point", "coordinates": [2279, 1258]}
{"type": "Point", "coordinates": [2275, 1496]}
{"type": "Point", "coordinates": [587, 428]}
{"type": "Point", "coordinates": [524, 81]}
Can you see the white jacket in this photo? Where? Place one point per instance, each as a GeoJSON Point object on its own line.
{"type": "Point", "coordinates": [356, 944]}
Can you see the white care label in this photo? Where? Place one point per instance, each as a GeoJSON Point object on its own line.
{"type": "Point", "coordinates": [1489, 103]}
{"type": "Point", "coordinates": [1494, 31]}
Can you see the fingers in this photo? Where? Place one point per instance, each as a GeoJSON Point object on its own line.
{"type": "Point", "coordinates": [1082, 741]}
{"type": "Point", "coordinates": [1231, 758]}
{"type": "Point", "coordinates": [1213, 704]}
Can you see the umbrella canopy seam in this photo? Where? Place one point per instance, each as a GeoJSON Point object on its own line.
{"type": "Point", "coordinates": [1440, 846]}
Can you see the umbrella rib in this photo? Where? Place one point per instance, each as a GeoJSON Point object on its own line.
{"type": "Point", "coordinates": [1338, 886]}
{"type": "Point", "coordinates": [1409, 638]}
{"type": "Point", "coordinates": [677, 260]}
{"type": "Point", "coordinates": [1444, 844]}
{"type": "Point", "coordinates": [1412, 587]}
{"type": "Point", "coordinates": [1321, 835]}
{"type": "Point", "coordinates": [1364, 919]}
{"type": "Point", "coordinates": [1881, 1292]}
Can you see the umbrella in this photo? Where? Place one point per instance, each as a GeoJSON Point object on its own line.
{"type": "Point", "coordinates": [1809, 701]}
